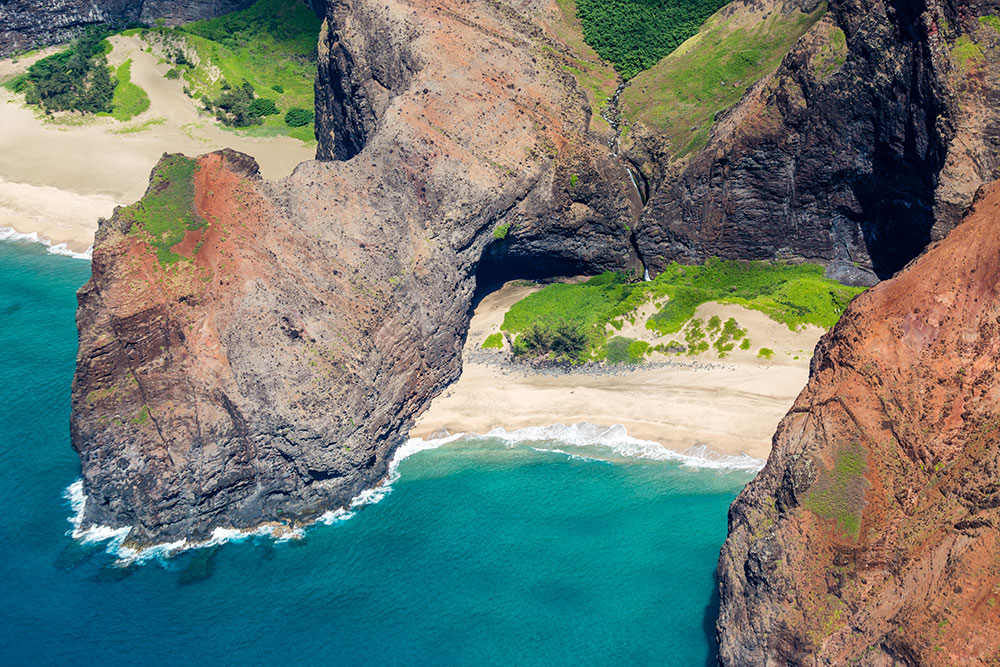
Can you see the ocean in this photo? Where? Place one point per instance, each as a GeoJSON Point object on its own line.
{"type": "Point", "coordinates": [541, 547]}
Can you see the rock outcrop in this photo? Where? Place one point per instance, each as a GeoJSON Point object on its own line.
{"type": "Point", "coordinates": [27, 24]}
{"type": "Point", "coordinates": [872, 535]}
{"type": "Point", "coordinates": [867, 143]}
{"type": "Point", "coordinates": [268, 374]}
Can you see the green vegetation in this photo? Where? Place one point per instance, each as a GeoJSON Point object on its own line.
{"type": "Point", "coordinates": [562, 341]}
{"type": "Point", "coordinates": [167, 211]}
{"type": "Point", "coordinates": [832, 54]}
{"type": "Point", "coordinates": [991, 21]}
{"type": "Point", "coordinates": [682, 94]}
{"type": "Point", "coordinates": [76, 79]}
{"type": "Point", "coordinates": [297, 117]}
{"type": "Point", "coordinates": [624, 350]}
{"type": "Point", "coordinates": [730, 333]}
{"type": "Point", "coordinates": [577, 313]}
{"type": "Point", "coordinates": [794, 294]}
{"type": "Point", "coordinates": [694, 338]}
{"type": "Point", "coordinates": [129, 99]}
{"type": "Point", "coordinates": [573, 179]}
{"type": "Point", "coordinates": [143, 416]}
{"type": "Point", "coordinates": [635, 34]}
{"type": "Point", "coordinates": [596, 77]}
{"type": "Point", "coordinates": [266, 52]}
{"type": "Point", "coordinates": [493, 342]}
{"type": "Point", "coordinates": [500, 231]}
{"type": "Point", "coordinates": [966, 53]}
{"type": "Point", "coordinates": [839, 494]}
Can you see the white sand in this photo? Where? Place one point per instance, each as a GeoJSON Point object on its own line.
{"type": "Point", "coordinates": [58, 178]}
{"type": "Point", "coordinates": [731, 405]}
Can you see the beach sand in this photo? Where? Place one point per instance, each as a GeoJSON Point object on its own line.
{"type": "Point", "coordinates": [730, 405]}
{"type": "Point", "coordinates": [58, 177]}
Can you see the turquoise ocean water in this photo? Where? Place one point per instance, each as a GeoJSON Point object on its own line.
{"type": "Point", "coordinates": [485, 552]}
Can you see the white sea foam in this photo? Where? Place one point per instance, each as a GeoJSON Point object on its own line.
{"type": "Point", "coordinates": [617, 439]}
{"type": "Point", "coordinates": [8, 234]}
{"type": "Point", "coordinates": [612, 438]}
{"type": "Point", "coordinates": [578, 457]}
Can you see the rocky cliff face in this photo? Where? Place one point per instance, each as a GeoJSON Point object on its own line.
{"type": "Point", "coordinates": [871, 537]}
{"type": "Point", "coordinates": [269, 375]}
{"type": "Point", "coordinates": [857, 152]}
{"type": "Point", "coordinates": [26, 24]}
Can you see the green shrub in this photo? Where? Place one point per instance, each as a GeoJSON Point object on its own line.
{"type": "Point", "coordinates": [234, 106]}
{"type": "Point", "coordinates": [765, 353]}
{"type": "Point", "coordinates": [296, 117]}
{"type": "Point", "coordinates": [731, 332]}
{"type": "Point", "coordinates": [278, 88]}
{"type": "Point", "coordinates": [173, 73]}
{"type": "Point", "coordinates": [261, 106]}
{"type": "Point", "coordinates": [500, 231]}
{"type": "Point", "coordinates": [635, 34]}
{"type": "Point", "coordinates": [587, 306]}
{"type": "Point", "coordinates": [745, 345]}
{"type": "Point", "coordinates": [563, 341]}
{"type": "Point", "coordinates": [76, 79]}
{"type": "Point", "coordinates": [493, 342]}
{"type": "Point", "coordinates": [624, 350]}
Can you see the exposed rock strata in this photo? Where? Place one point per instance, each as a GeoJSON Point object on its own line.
{"type": "Point", "coordinates": [26, 24]}
{"type": "Point", "coordinates": [271, 377]}
{"type": "Point", "coordinates": [858, 165]}
{"type": "Point", "coordinates": [872, 535]}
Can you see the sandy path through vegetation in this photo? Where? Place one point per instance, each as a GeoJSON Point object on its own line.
{"type": "Point", "coordinates": [58, 178]}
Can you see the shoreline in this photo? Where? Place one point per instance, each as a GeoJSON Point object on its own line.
{"type": "Point", "coordinates": [11, 235]}
{"type": "Point", "coordinates": [729, 406]}
{"type": "Point", "coordinates": [81, 168]}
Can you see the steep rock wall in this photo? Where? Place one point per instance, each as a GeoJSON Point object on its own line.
{"type": "Point", "coordinates": [871, 536]}
{"type": "Point", "coordinates": [270, 376]}
{"type": "Point", "coordinates": [26, 24]}
{"type": "Point", "coordinates": [858, 161]}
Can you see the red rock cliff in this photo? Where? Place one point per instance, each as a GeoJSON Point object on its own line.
{"type": "Point", "coordinates": [872, 536]}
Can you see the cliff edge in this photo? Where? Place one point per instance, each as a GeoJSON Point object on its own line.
{"type": "Point", "coordinates": [254, 351]}
{"type": "Point", "coordinates": [871, 536]}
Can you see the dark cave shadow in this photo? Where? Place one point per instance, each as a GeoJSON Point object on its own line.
{"type": "Point", "coordinates": [708, 625]}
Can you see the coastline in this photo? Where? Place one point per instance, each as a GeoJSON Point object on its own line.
{"type": "Point", "coordinates": [728, 406]}
{"type": "Point", "coordinates": [79, 169]}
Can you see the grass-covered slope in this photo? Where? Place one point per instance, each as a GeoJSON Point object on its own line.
{"type": "Point", "coordinates": [597, 78]}
{"type": "Point", "coordinates": [794, 294]}
{"type": "Point", "coordinates": [574, 321]}
{"type": "Point", "coordinates": [680, 96]}
{"type": "Point", "coordinates": [271, 46]}
{"type": "Point", "coordinates": [167, 212]}
{"type": "Point", "coordinates": [635, 34]}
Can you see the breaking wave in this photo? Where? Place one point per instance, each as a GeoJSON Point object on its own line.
{"type": "Point", "coordinates": [612, 440]}
{"type": "Point", "coordinates": [8, 234]}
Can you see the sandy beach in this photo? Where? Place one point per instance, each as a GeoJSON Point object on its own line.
{"type": "Point", "coordinates": [732, 405]}
{"type": "Point", "coordinates": [57, 177]}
